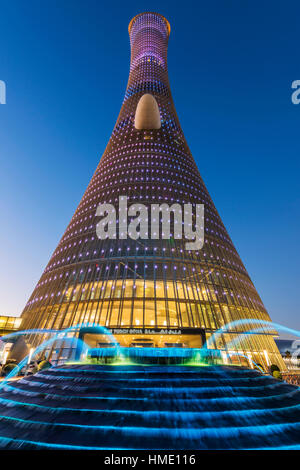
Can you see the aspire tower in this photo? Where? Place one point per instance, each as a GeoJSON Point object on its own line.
{"type": "Point", "coordinates": [149, 291]}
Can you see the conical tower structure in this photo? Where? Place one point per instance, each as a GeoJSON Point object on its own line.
{"type": "Point", "coordinates": [150, 291]}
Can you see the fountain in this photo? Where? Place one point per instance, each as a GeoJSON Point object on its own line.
{"type": "Point", "coordinates": [147, 398]}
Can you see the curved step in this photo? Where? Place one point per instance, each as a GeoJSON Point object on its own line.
{"type": "Point", "coordinates": [149, 407]}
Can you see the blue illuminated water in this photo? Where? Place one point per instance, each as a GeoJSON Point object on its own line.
{"type": "Point", "coordinates": [148, 398]}
{"type": "Point", "coordinates": [149, 407]}
{"type": "Point", "coordinates": [58, 334]}
{"type": "Point", "coordinates": [259, 326]}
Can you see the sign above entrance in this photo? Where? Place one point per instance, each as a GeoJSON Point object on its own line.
{"type": "Point", "coordinates": [156, 331]}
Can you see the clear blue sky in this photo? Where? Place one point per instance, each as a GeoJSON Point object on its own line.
{"type": "Point", "coordinates": [231, 65]}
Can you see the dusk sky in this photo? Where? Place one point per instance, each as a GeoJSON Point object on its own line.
{"type": "Point", "coordinates": [231, 66]}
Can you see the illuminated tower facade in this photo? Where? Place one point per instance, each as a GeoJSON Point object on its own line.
{"type": "Point", "coordinates": [149, 291]}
